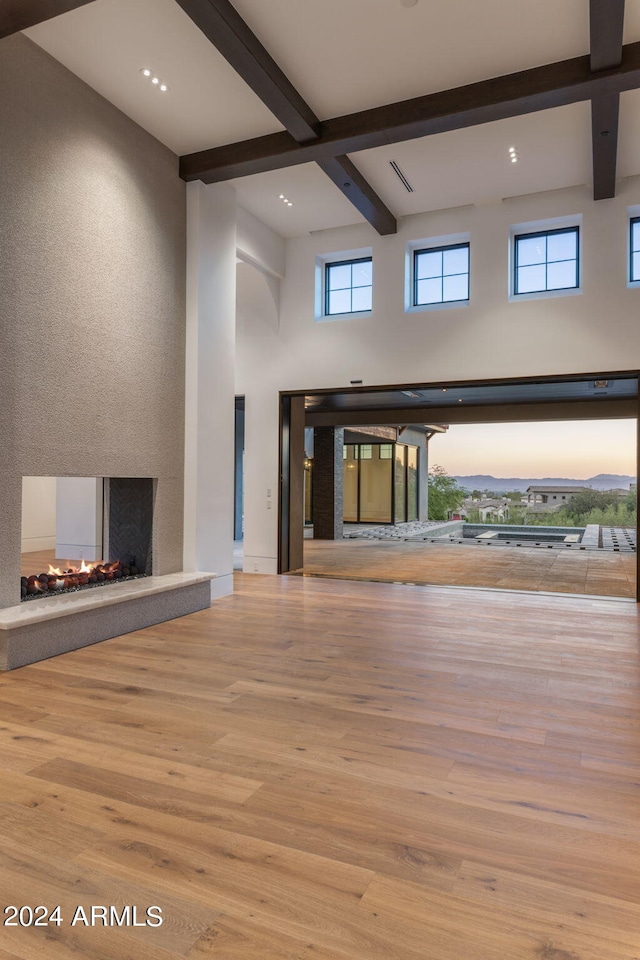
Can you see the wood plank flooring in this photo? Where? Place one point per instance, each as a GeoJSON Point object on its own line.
{"type": "Point", "coordinates": [590, 572]}
{"type": "Point", "coordinates": [318, 769]}
{"type": "Point", "coordinates": [37, 561]}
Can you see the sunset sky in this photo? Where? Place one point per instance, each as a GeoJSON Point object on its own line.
{"type": "Point", "coordinates": [576, 449]}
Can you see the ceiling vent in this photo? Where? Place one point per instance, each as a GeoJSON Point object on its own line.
{"type": "Point", "coordinates": [400, 175]}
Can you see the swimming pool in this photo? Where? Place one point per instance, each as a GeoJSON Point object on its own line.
{"type": "Point", "coordinates": [505, 531]}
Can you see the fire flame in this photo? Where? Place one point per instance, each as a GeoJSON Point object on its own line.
{"type": "Point", "coordinates": [70, 570]}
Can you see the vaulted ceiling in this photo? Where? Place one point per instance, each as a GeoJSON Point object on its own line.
{"type": "Point", "coordinates": [306, 64]}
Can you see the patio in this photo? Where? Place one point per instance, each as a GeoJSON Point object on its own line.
{"type": "Point", "coordinates": [588, 572]}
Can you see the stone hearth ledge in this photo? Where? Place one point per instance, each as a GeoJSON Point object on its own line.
{"type": "Point", "coordinates": [39, 629]}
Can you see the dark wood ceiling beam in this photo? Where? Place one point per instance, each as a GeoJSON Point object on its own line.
{"type": "Point", "coordinates": [604, 138]}
{"type": "Point", "coordinates": [606, 24]}
{"type": "Point", "coordinates": [16, 15]}
{"type": "Point", "coordinates": [359, 191]}
{"type": "Point", "coordinates": [227, 31]}
{"type": "Point", "coordinates": [600, 409]}
{"type": "Point", "coordinates": [541, 88]}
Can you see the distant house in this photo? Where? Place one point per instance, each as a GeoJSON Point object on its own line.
{"type": "Point", "coordinates": [496, 507]}
{"type": "Point", "coordinates": [540, 498]}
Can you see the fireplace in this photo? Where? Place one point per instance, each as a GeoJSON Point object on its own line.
{"type": "Point", "coordinates": [94, 518]}
{"type": "Point", "coordinates": [92, 567]}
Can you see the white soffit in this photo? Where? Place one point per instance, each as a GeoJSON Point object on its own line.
{"type": "Point", "coordinates": [349, 55]}
{"type": "Point", "coordinates": [629, 135]}
{"type": "Point", "coordinates": [474, 165]}
{"type": "Point", "coordinates": [317, 203]}
{"type": "Point", "coordinates": [106, 42]}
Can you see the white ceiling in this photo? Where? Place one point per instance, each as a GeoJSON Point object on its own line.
{"type": "Point", "coordinates": [344, 56]}
{"type": "Point", "coordinates": [348, 55]}
{"type": "Point", "coordinates": [107, 42]}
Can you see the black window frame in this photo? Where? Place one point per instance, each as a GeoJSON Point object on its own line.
{"type": "Point", "coordinates": [545, 233]}
{"type": "Point", "coordinates": [345, 263]}
{"type": "Point", "coordinates": [632, 221]}
{"type": "Point", "coordinates": [466, 244]}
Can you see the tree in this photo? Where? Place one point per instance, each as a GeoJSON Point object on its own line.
{"type": "Point", "coordinates": [631, 500]}
{"type": "Point", "coordinates": [587, 500]}
{"type": "Point", "coordinates": [444, 494]}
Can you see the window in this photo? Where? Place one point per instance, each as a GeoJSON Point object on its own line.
{"type": "Point", "coordinates": [348, 286]}
{"type": "Point", "coordinates": [546, 261]}
{"type": "Point", "coordinates": [441, 275]}
{"type": "Point", "coordinates": [634, 247]}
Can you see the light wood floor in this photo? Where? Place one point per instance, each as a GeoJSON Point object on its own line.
{"type": "Point", "coordinates": [327, 770]}
{"type": "Point", "coordinates": [38, 562]}
{"type": "Point", "coordinates": [591, 572]}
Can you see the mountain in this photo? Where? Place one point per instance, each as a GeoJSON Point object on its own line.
{"type": "Point", "coordinates": [603, 481]}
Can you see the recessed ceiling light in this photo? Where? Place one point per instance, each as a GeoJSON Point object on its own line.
{"type": "Point", "coordinates": [282, 197]}
{"type": "Point", "coordinates": [148, 73]}
{"type": "Point", "coordinates": [513, 154]}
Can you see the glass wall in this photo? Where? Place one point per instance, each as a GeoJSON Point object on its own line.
{"type": "Point", "coordinates": [412, 483]}
{"type": "Point", "coordinates": [380, 483]}
{"type": "Point", "coordinates": [400, 485]}
{"type": "Point", "coordinates": [350, 484]}
{"type": "Point", "coordinates": [375, 483]}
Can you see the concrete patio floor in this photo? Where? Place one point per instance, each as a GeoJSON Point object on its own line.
{"type": "Point", "coordinates": [589, 572]}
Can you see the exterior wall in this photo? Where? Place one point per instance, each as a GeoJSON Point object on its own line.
{"type": "Point", "coordinates": [92, 303]}
{"type": "Point", "coordinates": [597, 330]}
{"type": "Point", "coordinates": [328, 469]}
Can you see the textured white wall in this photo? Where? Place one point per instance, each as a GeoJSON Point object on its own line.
{"type": "Point", "coordinates": [210, 408]}
{"type": "Point", "coordinates": [492, 337]}
{"type": "Point", "coordinates": [92, 305]}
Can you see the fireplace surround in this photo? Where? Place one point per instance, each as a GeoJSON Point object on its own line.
{"type": "Point", "coordinates": [93, 332]}
{"type": "Point", "coordinates": [64, 621]}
